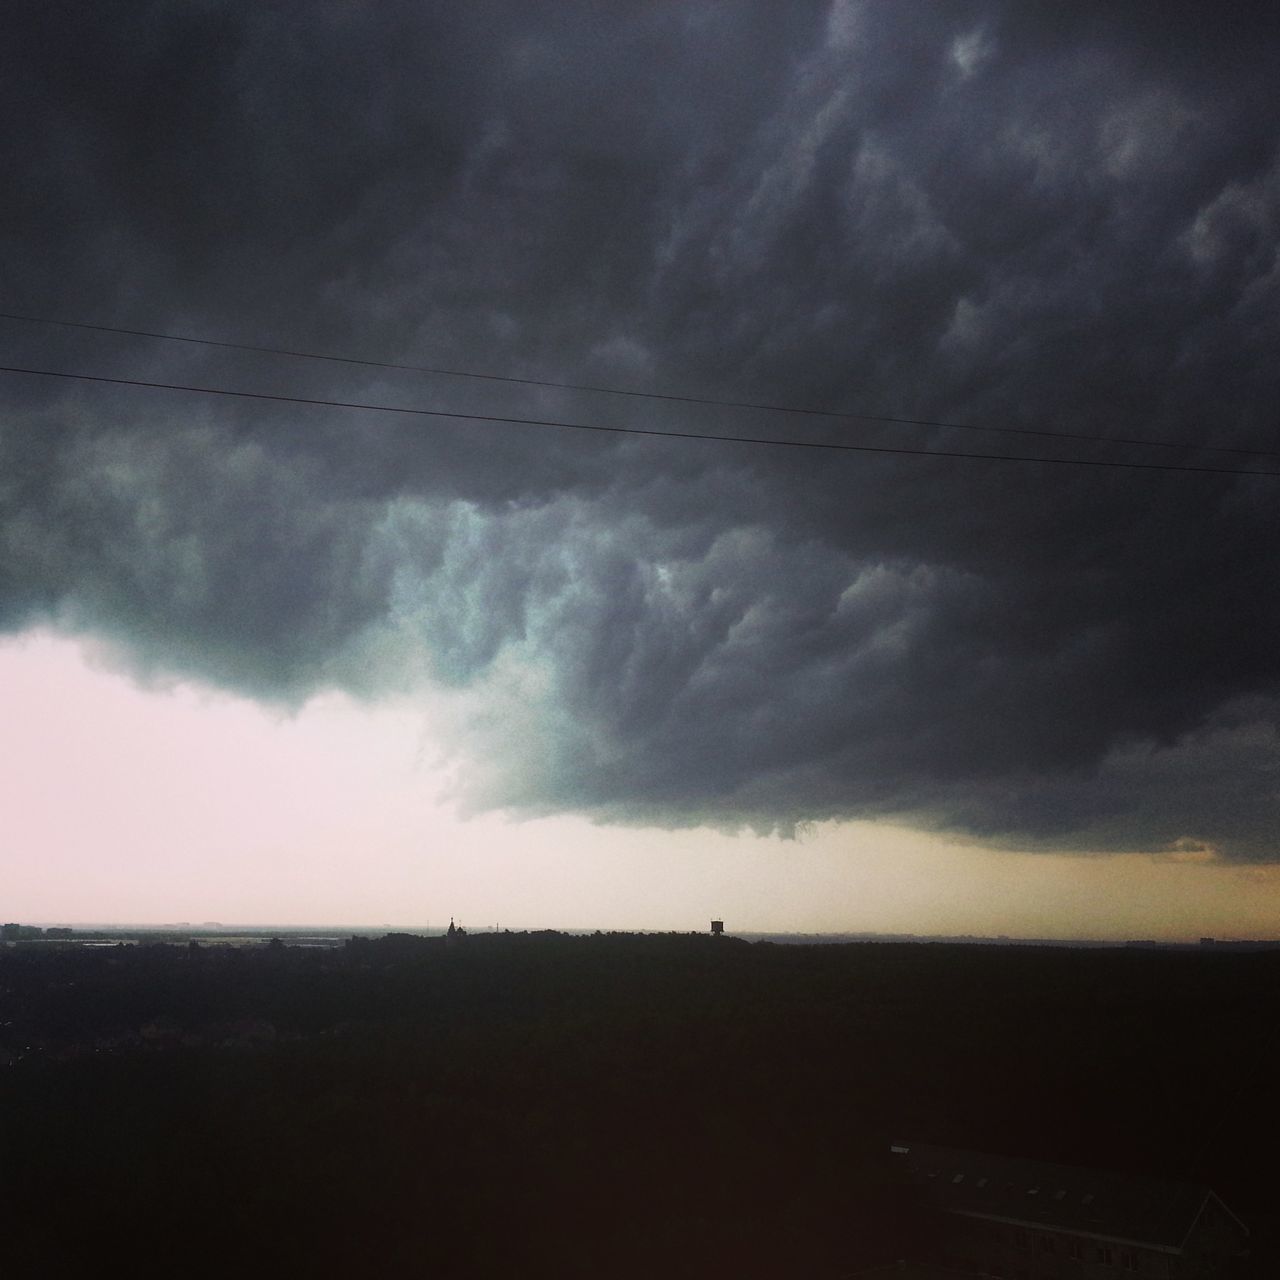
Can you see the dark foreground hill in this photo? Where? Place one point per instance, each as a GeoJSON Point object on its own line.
{"type": "Point", "coordinates": [611, 1105]}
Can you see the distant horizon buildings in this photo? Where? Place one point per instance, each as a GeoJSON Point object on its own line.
{"type": "Point", "coordinates": [12, 932]}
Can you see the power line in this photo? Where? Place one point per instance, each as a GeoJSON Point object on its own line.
{"type": "Point", "coordinates": [706, 401]}
{"type": "Point", "coordinates": [628, 431]}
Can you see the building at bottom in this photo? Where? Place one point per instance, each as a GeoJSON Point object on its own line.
{"type": "Point", "coordinates": [1015, 1219]}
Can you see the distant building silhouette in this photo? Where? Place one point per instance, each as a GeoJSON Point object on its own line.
{"type": "Point", "coordinates": [1020, 1219]}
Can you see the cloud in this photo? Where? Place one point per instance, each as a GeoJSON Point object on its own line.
{"type": "Point", "coordinates": [973, 212]}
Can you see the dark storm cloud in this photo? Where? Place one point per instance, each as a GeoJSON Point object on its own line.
{"type": "Point", "coordinates": [981, 212]}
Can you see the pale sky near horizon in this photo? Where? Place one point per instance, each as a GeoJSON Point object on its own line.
{"type": "Point", "coordinates": [150, 806]}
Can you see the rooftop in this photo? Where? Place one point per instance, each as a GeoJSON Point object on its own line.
{"type": "Point", "coordinates": [1116, 1206]}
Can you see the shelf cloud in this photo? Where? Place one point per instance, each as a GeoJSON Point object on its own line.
{"type": "Point", "coordinates": [992, 214]}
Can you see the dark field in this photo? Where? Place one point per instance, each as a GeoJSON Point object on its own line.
{"type": "Point", "coordinates": [610, 1105]}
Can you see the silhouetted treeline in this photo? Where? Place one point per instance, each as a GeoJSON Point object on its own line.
{"type": "Point", "coordinates": [610, 1105]}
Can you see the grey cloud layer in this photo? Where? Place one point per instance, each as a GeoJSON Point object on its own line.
{"type": "Point", "coordinates": [985, 212]}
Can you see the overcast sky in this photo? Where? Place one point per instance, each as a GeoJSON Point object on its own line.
{"type": "Point", "coordinates": [580, 678]}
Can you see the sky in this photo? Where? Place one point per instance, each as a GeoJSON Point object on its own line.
{"type": "Point", "coordinates": [272, 661]}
